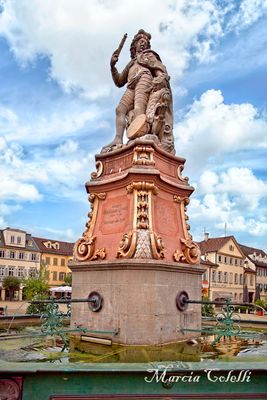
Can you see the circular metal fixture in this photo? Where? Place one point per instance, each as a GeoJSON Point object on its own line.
{"type": "Point", "coordinates": [181, 300]}
{"type": "Point", "coordinates": [96, 301]}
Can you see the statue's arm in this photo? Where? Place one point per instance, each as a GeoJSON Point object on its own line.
{"type": "Point", "coordinates": [120, 79]}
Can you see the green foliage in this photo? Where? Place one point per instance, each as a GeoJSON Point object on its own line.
{"type": "Point", "coordinates": [11, 283]}
{"type": "Point", "coordinates": [207, 310]}
{"type": "Point", "coordinates": [37, 308]}
{"type": "Point", "coordinates": [37, 285]}
{"type": "Point", "coordinates": [68, 279]}
{"type": "Point", "coordinates": [260, 303]}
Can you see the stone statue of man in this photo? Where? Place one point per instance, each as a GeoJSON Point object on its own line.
{"type": "Point", "coordinates": [147, 97]}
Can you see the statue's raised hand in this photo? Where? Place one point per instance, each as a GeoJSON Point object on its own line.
{"type": "Point", "coordinates": [114, 58]}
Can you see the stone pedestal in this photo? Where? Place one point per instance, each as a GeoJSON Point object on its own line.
{"type": "Point", "coordinates": [137, 251]}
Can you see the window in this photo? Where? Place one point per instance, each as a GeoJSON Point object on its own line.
{"type": "Point", "coordinates": [54, 261]}
{"type": "Point", "coordinates": [241, 262]}
{"type": "Point", "coordinates": [62, 262]}
{"type": "Point", "coordinates": [241, 279]}
{"type": "Point", "coordinates": [219, 276]}
{"type": "Point", "coordinates": [236, 261]}
{"type": "Point", "coordinates": [32, 272]}
{"type": "Point", "coordinates": [54, 276]}
{"type": "Point", "coordinates": [2, 270]}
{"type": "Point", "coordinates": [240, 297]}
{"type": "Point", "coordinates": [213, 276]}
{"type": "Point", "coordinates": [34, 257]}
{"type": "Point", "coordinates": [47, 260]}
{"type": "Point", "coordinates": [225, 260]}
{"type": "Point", "coordinates": [11, 271]}
{"type": "Point", "coordinates": [12, 254]}
{"type": "Point", "coordinates": [231, 247]}
{"type": "Point", "coordinates": [225, 277]}
{"type": "Point", "coordinates": [236, 278]}
{"type": "Point", "coordinates": [62, 276]}
{"type": "Point", "coordinates": [19, 240]}
{"type": "Point", "coordinates": [21, 272]}
{"type": "Point", "coordinates": [231, 260]}
{"type": "Point", "coordinates": [2, 253]}
{"type": "Point", "coordinates": [21, 255]}
{"type": "Point", "coordinates": [251, 280]}
{"type": "Point", "coordinates": [231, 278]}
{"type": "Point", "coordinates": [12, 239]}
{"type": "Point", "coordinates": [219, 258]}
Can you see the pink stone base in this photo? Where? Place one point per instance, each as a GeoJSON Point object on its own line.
{"type": "Point", "coordinates": [139, 299]}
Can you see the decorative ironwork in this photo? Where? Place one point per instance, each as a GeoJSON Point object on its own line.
{"type": "Point", "coordinates": [227, 321]}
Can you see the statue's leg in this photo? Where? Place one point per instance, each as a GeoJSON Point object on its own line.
{"type": "Point", "coordinates": [142, 92]}
{"type": "Point", "coordinates": [125, 105]}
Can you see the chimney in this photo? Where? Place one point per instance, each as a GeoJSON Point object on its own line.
{"type": "Point", "coordinates": [206, 236]}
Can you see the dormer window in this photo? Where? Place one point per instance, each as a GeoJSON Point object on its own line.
{"type": "Point", "coordinates": [12, 239]}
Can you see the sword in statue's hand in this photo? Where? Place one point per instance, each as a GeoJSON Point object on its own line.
{"type": "Point", "coordinates": [115, 55]}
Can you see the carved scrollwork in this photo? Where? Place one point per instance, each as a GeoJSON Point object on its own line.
{"type": "Point", "coordinates": [142, 186]}
{"type": "Point", "coordinates": [127, 245]}
{"type": "Point", "coordinates": [99, 170]}
{"type": "Point", "coordinates": [84, 249]}
{"type": "Point", "coordinates": [179, 174]}
{"type": "Point", "coordinates": [156, 246]}
{"type": "Point", "coordinates": [190, 252]}
{"type": "Point", "coordinates": [143, 155]}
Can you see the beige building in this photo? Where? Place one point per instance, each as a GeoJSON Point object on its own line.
{"type": "Point", "coordinates": [226, 279]}
{"type": "Point", "coordinates": [19, 256]}
{"type": "Point", "coordinates": [256, 260]}
{"type": "Point", "coordinates": [55, 254]}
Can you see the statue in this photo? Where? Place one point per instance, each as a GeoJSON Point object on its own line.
{"type": "Point", "coordinates": [146, 106]}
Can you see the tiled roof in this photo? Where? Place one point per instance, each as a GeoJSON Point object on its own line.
{"type": "Point", "coordinates": [65, 248]}
{"type": "Point", "coordinates": [251, 250]}
{"type": "Point", "coordinates": [214, 244]}
{"type": "Point", "coordinates": [208, 263]}
{"type": "Point", "coordinates": [27, 246]}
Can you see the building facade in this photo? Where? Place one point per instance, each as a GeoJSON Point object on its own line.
{"type": "Point", "coordinates": [55, 255]}
{"type": "Point", "coordinates": [19, 257]}
{"type": "Point", "coordinates": [256, 260]}
{"type": "Point", "coordinates": [227, 279]}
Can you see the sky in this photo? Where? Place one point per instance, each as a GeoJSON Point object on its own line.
{"type": "Point", "coordinates": [57, 102]}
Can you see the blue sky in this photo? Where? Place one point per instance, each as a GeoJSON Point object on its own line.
{"type": "Point", "coordinates": [57, 102]}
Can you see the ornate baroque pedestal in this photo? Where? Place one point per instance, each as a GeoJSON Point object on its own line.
{"type": "Point", "coordinates": [137, 251]}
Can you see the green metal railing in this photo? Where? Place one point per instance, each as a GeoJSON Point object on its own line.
{"type": "Point", "coordinates": [227, 321]}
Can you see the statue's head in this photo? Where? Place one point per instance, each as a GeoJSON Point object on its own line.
{"type": "Point", "coordinates": [140, 42]}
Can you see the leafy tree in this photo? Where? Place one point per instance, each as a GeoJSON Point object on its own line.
{"type": "Point", "coordinates": [36, 288]}
{"type": "Point", "coordinates": [207, 310]}
{"type": "Point", "coordinates": [68, 279]}
{"type": "Point", "coordinates": [11, 283]}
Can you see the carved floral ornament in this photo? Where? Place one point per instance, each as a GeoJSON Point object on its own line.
{"type": "Point", "coordinates": [143, 155]}
{"type": "Point", "coordinates": [190, 251]}
{"type": "Point", "coordinates": [84, 249]}
{"type": "Point", "coordinates": [141, 241]}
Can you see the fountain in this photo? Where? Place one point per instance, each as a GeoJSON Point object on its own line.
{"type": "Point", "coordinates": [136, 301]}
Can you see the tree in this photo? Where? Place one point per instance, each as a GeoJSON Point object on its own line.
{"type": "Point", "coordinates": [68, 279]}
{"type": "Point", "coordinates": [36, 288]}
{"type": "Point", "coordinates": [11, 283]}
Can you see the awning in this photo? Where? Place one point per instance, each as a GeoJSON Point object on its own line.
{"type": "Point", "coordinates": [222, 295]}
{"type": "Point", "coordinates": [61, 289]}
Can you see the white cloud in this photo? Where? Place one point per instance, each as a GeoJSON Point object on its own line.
{"type": "Point", "coordinates": [71, 34]}
{"type": "Point", "coordinates": [211, 128]}
{"type": "Point", "coordinates": [235, 197]}
{"type": "Point", "coordinates": [44, 128]}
